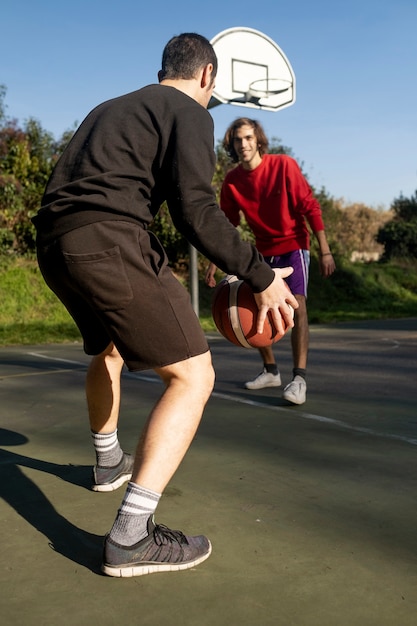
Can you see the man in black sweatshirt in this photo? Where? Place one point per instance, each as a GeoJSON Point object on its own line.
{"type": "Point", "coordinates": [96, 253]}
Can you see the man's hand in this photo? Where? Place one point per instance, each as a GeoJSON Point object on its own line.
{"type": "Point", "coordinates": [327, 264]}
{"type": "Point", "coordinates": [210, 279]}
{"type": "Point", "coordinates": [276, 299]}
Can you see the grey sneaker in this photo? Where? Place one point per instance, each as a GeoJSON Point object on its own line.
{"type": "Point", "coordinates": [163, 550]}
{"type": "Point", "coordinates": [264, 379]}
{"type": "Point", "coordinates": [296, 390]}
{"type": "Point", "coordinates": [111, 478]}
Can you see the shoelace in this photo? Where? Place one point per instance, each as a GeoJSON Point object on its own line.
{"type": "Point", "coordinates": [164, 535]}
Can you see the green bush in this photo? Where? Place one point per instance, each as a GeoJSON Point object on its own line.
{"type": "Point", "coordinates": [31, 314]}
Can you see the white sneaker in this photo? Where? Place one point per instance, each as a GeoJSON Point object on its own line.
{"type": "Point", "coordinates": [296, 390]}
{"type": "Point", "coordinates": [265, 379]}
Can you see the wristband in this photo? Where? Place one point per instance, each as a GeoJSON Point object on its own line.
{"type": "Point", "coordinates": [327, 254]}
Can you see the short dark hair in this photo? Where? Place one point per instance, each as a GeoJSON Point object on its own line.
{"type": "Point", "coordinates": [229, 137]}
{"type": "Point", "coordinates": [184, 55]}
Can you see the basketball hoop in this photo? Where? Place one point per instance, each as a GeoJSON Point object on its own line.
{"type": "Point", "coordinates": [247, 61]}
{"type": "Point", "coordinates": [265, 88]}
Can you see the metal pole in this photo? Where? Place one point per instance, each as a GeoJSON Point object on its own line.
{"type": "Point", "coordinates": [194, 279]}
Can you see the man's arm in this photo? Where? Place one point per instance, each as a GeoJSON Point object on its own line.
{"type": "Point", "coordinates": [310, 207]}
{"type": "Point", "coordinates": [327, 264]}
{"type": "Point", "coordinates": [210, 275]}
{"type": "Point", "coordinates": [193, 207]}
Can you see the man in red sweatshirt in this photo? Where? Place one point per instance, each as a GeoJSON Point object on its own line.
{"type": "Point", "coordinates": [276, 200]}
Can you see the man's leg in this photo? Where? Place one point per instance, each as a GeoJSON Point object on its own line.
{"type": "Point", "coordinates": [295, 391]}
{"type": "Point", "coordinates": [135, 546]}
{"type": "Point", "coordinates": [103, 390]}
{"type": "Point", "coordinates": [300, 334]}
{"type": "Point", "coordinates": [299, 339]}
{"type": "Point", "coordinates": [267, 356]}
{"type": "Point", "coordinates": [113, 467]}
{"type": "Point", "coordinates": [174, 420]}
{"type": "Point", "coordinates": [270, 376]}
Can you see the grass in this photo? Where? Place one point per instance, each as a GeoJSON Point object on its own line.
{"type": "Point", "coordinates": [359, 291]}
{"type": "Point", "coordinates": [31, 314]}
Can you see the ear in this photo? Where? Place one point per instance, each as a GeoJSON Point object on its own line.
{"type": "Point", "coordinates": [206, 78]}
{"type": "Point", "coordinates": [160, 75]}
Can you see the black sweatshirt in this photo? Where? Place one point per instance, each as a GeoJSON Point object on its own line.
{"type": "Point", "coordinates": [132, 153]}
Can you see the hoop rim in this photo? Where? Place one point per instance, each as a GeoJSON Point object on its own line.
{"type": "Point", "coordinates": [266, 93]}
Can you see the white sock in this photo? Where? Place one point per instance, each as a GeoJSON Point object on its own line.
{"type": "Point", "coordinates": [107, 447]}
{"type": "Point", "coordinates": [131, 523]}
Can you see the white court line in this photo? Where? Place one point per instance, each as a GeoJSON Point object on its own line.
{"type": "Point", "coordinates": [51, 358]}
{"type": "Point", "coordinates": [318, 418]}
{"type": "Point", "coordinates": [278, 409]}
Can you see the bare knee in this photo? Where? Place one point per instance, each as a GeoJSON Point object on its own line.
{"type": "Point", "coordinates": [195, 374]}
{"type": "Point", "coordinates": [110, 357]}
{"type": "Point", "coordinates": [301, 312]}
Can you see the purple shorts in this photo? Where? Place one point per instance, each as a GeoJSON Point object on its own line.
{"type": "Point", "coordinates": [300, 261]}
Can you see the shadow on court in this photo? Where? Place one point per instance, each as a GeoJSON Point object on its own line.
{"type": "Point", "coordinates": [311, 510]}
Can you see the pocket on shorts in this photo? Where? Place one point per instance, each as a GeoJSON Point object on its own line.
{"type": "Point", "coordinates": [153, 251]}
{"type": "Point", "coordinates": [101, 278]}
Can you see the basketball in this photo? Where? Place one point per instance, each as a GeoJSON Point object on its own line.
{"type": "Point", "coordinates": [235, 313]}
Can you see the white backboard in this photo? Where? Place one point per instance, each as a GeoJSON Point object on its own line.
{"type": "Point", "coordinates": [247, 56]}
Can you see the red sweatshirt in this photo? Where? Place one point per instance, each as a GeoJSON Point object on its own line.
{"type": "Point", "coordinates": [276, 200]}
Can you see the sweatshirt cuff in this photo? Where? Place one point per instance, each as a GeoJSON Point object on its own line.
{"type": "Point", "coordinates": [262, 278]}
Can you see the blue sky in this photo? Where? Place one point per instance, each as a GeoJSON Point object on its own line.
{"type": "Point", "coordinates": [353, 125]}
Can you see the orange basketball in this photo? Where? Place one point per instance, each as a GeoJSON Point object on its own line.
{"type": "Point", "coordinates": [235, 314]}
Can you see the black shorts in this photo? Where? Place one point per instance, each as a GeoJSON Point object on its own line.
{"type": "Point", "coordinates": [114, 279]}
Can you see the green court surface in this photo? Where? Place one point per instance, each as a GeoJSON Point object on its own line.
{"type": "Point", "coordinates": [311, 510]}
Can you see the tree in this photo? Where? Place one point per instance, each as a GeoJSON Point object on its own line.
{"type": "Point", "coordinates": [352, 228]}
{"type": "Point", "coordinates": [27, 156]}
{"type": "Point", "coordinates": [3, 91]}
{"type": "Point", "coordinates": [399, 235]}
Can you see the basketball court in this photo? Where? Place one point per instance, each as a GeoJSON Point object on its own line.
{"type": "Point", "coordinates": [311, 509]}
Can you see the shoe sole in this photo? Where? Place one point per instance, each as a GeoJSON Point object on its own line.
{"type": "Point", "coordinates": [293, 400]}
{"type": "Point", "coordinates": [112, 486]}
{"type": "Point", "coordinates": [151, 568]}
{"type": "Point", "coordinates": [252, 388]}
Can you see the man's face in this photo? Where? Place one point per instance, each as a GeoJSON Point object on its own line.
{"type": "Point", "coordinates": [246, 146]}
